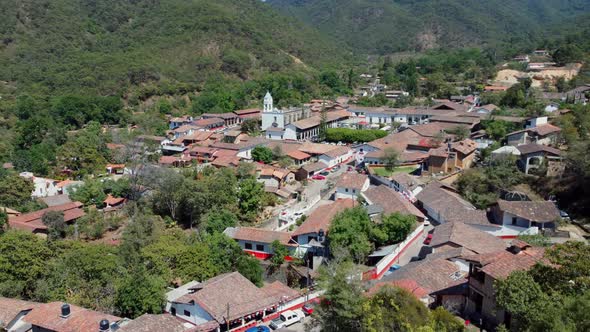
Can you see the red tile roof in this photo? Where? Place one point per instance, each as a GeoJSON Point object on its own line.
{"type": "Point", "coordinates": [322, 216]}
{"type": "Point", "coordinates": [47, 316]}
{"type": "Point", "coordinates": [298, 155]}
{"type": "Point", "coordinates": [233, 289]}
{"type": "Point", "coordinates": [209, 122]}
{"type": "Point", "coordinates": [10, 308]}
{"type": "Point", "coordinates": [32, 221]}
{"type": "Point", "coordinates": [460, 234]}
{"type": "Point", "coordinates": [534, 211]}
{"type": "Point", "coordinates": [258, 235]}
{"type": "Point", "coordinates": [352, 180]}
{"type": "Point", "coordinates": [409, 285]}
{"type": "Point", "coordinates": [248, 111]}
{"type": "Point", "coordinates": [391, 201]}
{"type": "Point", "coordinates": [155, 323]}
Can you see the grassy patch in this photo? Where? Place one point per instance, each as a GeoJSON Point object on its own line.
{"type": "Point", "coordinates": [382, 171]}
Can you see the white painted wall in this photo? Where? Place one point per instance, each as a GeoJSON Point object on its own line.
{"type": "Point", "coordinates": [268, 118]}
{"type": "Point", "coordinates": [290, 132]}
{"type": "Point", "coordinates": [197, 315]}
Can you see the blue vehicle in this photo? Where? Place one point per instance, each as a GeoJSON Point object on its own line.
{"type": "Point", "coordinates": [394, 267]}
{"type": "Point", "coordinates": [258, 329]}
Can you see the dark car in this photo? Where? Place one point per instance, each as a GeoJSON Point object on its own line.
{"type": "Point", "coordinates": [325, 173]}
{"type": "Point", "coordinates": [428, 239]}
{"type": "Point", "coordinates": [258, 329]}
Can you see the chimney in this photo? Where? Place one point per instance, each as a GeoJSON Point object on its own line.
{"type": "Point", "coordinates": [65, 310]}
{"type": "Point", "coordinates": [104, 326]}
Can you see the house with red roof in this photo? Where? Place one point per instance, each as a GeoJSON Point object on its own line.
{"type": "Point", "coordinates": [257, 241]}
{"type": "Point", "coordinates": [33, 223]}
{"type": "Point", "coordinates": [63, 317]}
{"type": "Point", "coordinates": [537, 130]}
{"type": "Point", "coordinates": [486, 268]}
{"type": "Point", "coordinates": [227, 299]}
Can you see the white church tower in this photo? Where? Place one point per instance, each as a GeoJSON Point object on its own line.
{"type": "Point", "coordinates": [268, 102]}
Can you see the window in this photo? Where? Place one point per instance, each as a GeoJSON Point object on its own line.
{"type": "Point", "coordinates": [173, 311]}
{"type": "Point", "coordinates": [354, 191]}
{"type": "Point", "coordinates": [514, 220]}
{"type": "Point", "coordinates": [345, 189]}
{"type": "Point", "coordinates": [260, 247]}
{"type": "Point", "coordinates": [187, 313]}
{"type": "Point", "coordinates": [248, 245]}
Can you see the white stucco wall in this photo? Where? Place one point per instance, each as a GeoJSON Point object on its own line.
{"type": "Point", "coordinates": [269, 117]}
{"type": "Point", "coordinates": [197, 315]}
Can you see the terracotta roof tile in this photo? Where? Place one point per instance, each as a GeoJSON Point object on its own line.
{"type": "Point", "coordinates": [438, 275]}
{"type": "Point", "coordinates": [298, 155]}
{"type": "Point", "coordinates": [258, 235]}
{"type": "Point", "coordinates": [322, 216]}
{"type": "Point", "coordinates": [467, 237]}
{"type": "Point", "coordinates": [234, 289]}
{"type": "Point", "coordinates": [533, 211]}
{"type": "Point", "coordinates": [10, 308]}
{"type": "Point", "coordinates": [155, 323]}
{"type": "Point", "coordinates": [47, 316]}
{"type": "Point", "coordinates": [391, 201]}
{"type": "Point", "coordinates": [352, 180]}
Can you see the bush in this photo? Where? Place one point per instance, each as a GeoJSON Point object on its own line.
{"type": "Point", "coordinates": [347, 135]}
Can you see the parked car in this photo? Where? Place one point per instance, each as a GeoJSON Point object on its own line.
{"type": "Point", "coordinates": [426, 222]}
{"type": "Point", "coordinates": [308, 308]}
{"type": "Point", "coordinates": [428, 239]}
{"type": "Point", "coordinates": [394, 267]}
{"type": "Point", "coordinates": [318, 177]}
{"type": "Point", "coordinates": [286, 318]}
{"type": "Point", "coordinates": [258, 329]}
{"type": "Point", "coordinates": [325, 173]}
{"type": "Point", "coordinates": [349, 169]}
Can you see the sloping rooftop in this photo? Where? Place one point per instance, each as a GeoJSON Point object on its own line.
{"type": "Point", "coordinates": [533, 148]}
{"type": "Point", "coordinates": [48, 316]}
{"type": "Point", "coordinates": [444, 200]}
{"type": "Point", "coordinates": [466, 236]}
{"type": "Point", "coordinates": [534, 211]}
{"type": "Point", "coordinates": [10, 308]}
{"type": "Point", "coordinates": [257, 235]}
{"type": "Point", "coordinates": [337, 151]}
{"type": "Point", "coordinates": [322, 216]}
{"type": "Point", "coordinates": [352, 180]}
{"type": "Point", "coordinates": [298, 155]}
{"type": "Point", "coordinates": [156, 323]}
{"type": "Point", "coordinates": [435, 276]}
{"type": "Point", "coordinates": [32, 221]}
{"type": "Point", "coordinates": [233, 289]}
{"type": "Point", "coordinates": [542, 130]}
{"type": "Point", "coordinates": [391, 201]}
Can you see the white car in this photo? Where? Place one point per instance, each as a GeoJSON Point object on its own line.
{"type": "Point", "coordinates": [426, 222]}
{"type": "Point", "coordinates": [287, 318]}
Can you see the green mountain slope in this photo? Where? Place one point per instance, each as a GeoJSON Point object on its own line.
{"type": "Point", "coordinates": [384, 26]}
{"type": "Point", "coordinates": [57, 46]}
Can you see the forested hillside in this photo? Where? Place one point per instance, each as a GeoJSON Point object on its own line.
{"type": "Point", "coordinates": [385, 26]}
{"type": "Point", "coordinates": [103, 47]}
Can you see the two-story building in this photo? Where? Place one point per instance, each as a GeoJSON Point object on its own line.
{"type": "Point", "coordinates": [487, 268]}
{"type": "Point", "coordinates": [537, 130]}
